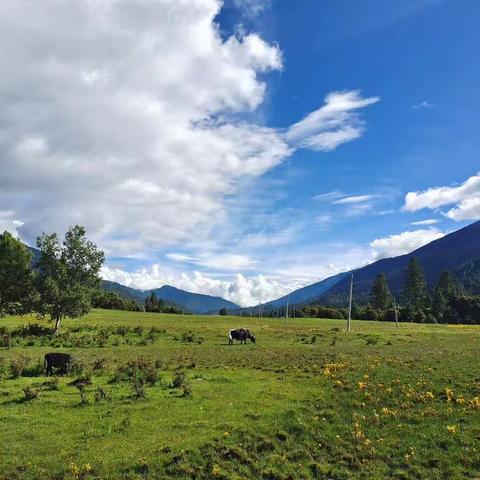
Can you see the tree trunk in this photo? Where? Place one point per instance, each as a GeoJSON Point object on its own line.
{"type": "Point", "coordinates": [57, 325]}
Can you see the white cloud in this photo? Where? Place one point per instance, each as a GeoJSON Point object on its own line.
{"type": "Point", "coordinates": [465, 196]}
{"type": "Point", "coordinates": [242, 290]}
{"type": "Point", "coordinates": [431, 221]}
{"type": "Point", "coordinates": [424, 104]}
{"type": "Point", "coordinates": [403, 243]}
{"type": "Point", "coordinates": [227, 261]}
{"type": "Point", "coordinates": [334, 123]}
{"type": "Point", "coordinates": [252, 8]}
{"type": "Point", "coordinates": [125, 117]}
{"type": "Point", "coordinates": [353, 199]}
{"type": "Point", "coordinates": [325, 197]}
{"type": "Point", "coordinates": [9, 223]}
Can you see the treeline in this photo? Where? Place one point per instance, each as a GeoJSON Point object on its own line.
{"type": "Point", "coordinates": [447, 302]}
{"type": "Point", "coordinates": [113, 301]}
{"type": "Point", "coordinates": [158, 305]}
{"type": "Point", "coordinates": [63, 282]}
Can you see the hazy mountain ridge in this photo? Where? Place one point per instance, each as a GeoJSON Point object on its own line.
{"type": "Point", "coordinates": [458, 251]}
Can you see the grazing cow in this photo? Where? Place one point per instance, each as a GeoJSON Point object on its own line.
{"type": "Point", "coordinates": [240, 334]}
{"type": "Point", "coordinates": [62, 361]}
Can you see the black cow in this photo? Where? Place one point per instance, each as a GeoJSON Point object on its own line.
{"type": "Point", "coordinates": [62, 361]}
{"type": "Point", "coordinates": [240, 334]}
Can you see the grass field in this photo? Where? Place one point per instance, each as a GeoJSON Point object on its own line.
{"type": "Point", "coordinates": [306, 401]}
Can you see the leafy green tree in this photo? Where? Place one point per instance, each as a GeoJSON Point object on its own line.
{"type": "Point", "coordinates": [380, 297]}
{"type": "Point", "coordinates": [16, 285]}
{"type": "Point", "coordinates": [415, 292]}
{"type": "Point", "coordinates": [67, 274]}
{"type": "Point", "coordinates": [223, 311]}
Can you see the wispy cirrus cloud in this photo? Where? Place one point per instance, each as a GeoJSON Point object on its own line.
{"type": "Point", "coordinates": [351, 199]}
{"type": "Point", "coordinates": [430, 221]}
{"type": "Point", "coordinates": [252, 8]}
{"type": "Point", "coordinates": [465, 198]}
{"type": "Point", "coordinates": [424, 104]}
{"type": "Point", "coordinates": [336, 122]}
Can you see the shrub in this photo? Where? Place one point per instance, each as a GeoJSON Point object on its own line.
{"type": "Point", "coordinates": [32, 330]}
{"type": "Point", "coordinates": [30, 393]}
{"type": "Point", "coordinates": [52, 384]}
{"type": "Point", "coordinates": [101, 394]}
{"type": "Point", "coordinates": [419, 317]}
{"type": "Point", "coordinates": [188, 337]}
{"type": "Point", "coordinates": [36, 369]}
{"type": "Point", "coordinates": [179, 380]}
{"type": "Point", "coordinates": [138, 388]}
{"type": "Point", "coordinates": [5, 340]}
{"type": "Point", "coordinates": [99, 364]}
{"type": "Point", "coordinates": [79, 367]}
{"type": "Point", "coordinates": [83, 393]}
{"type": "Point", "coordinates": [138, 330]}
{"type": "Point", "coordinates": [17, 365]}
{"type": "Point", "coordinates": [140, 371]}
{"type": "Point", "coordinates": [187, 390]}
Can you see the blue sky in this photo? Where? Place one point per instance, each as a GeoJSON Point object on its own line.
{"type": "Point", "coordinates": [284, 208]}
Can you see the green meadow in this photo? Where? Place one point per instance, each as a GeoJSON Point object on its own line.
{"type": "Point", "coordinates": [164, 396]}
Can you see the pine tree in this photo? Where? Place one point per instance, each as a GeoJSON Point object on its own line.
{"type": "Point", "coordinates": [415, 292]}
{"type": "Point", "coordinates": [380, 297]}
{"type": "Point", "coordinates": [447, 289]}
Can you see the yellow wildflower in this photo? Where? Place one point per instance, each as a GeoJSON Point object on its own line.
{"type": "Point", "coordinates": [452, 429]}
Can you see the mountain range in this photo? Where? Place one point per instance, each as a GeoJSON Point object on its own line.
{"type": "Point", "coordinates": [458, 251]}
{"type": "Point", "coordinates": [193, 302]}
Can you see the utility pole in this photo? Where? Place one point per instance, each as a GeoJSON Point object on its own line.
{"type": "Point", "coordinates": [349, 321]}
{"type": "Point", "coordinates": [286, 311]}
{"type": "Point", "coordinates": [396, 314]}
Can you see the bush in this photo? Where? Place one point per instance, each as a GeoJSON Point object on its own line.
{"type": "Point", "coordinates": [179, 380]}
{"type": "Point", "coordinates": [5, 340]}
{"type": "Point", "coordinates": [83, 393]}
{"type": "Point", "coordinates": [140, 371]}
{"type": "Point", "coordinates": [101, 394]}
{"type": "Point", "coordinates": [17, 365]}
{"type": "Point", "coordinates": [52, 384]}
{"type": "Point", "coordinates": [36, 369]}
{"type": "Point", "coordinates": [187, 390]}
{"type": "Point", "coordinates": [30, 393]}
{"type": "Point", "coordinates": [138, 388]}
{"type": "Point", "coordinates": [390, 315]}
{"type": "Point", "coordinates": [419, 317]}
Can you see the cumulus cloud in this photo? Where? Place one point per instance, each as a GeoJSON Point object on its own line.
{"type": "Point", "coordinates": [465, 197]}
{"type": "Point", "coordinates": [242, 290]}
{"type": "Point", "coordinates": [403, 243]}
{"type": "Point", "coordinates": [125, 117]}
{"type": "Point", "coordinates": [336, 122]}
